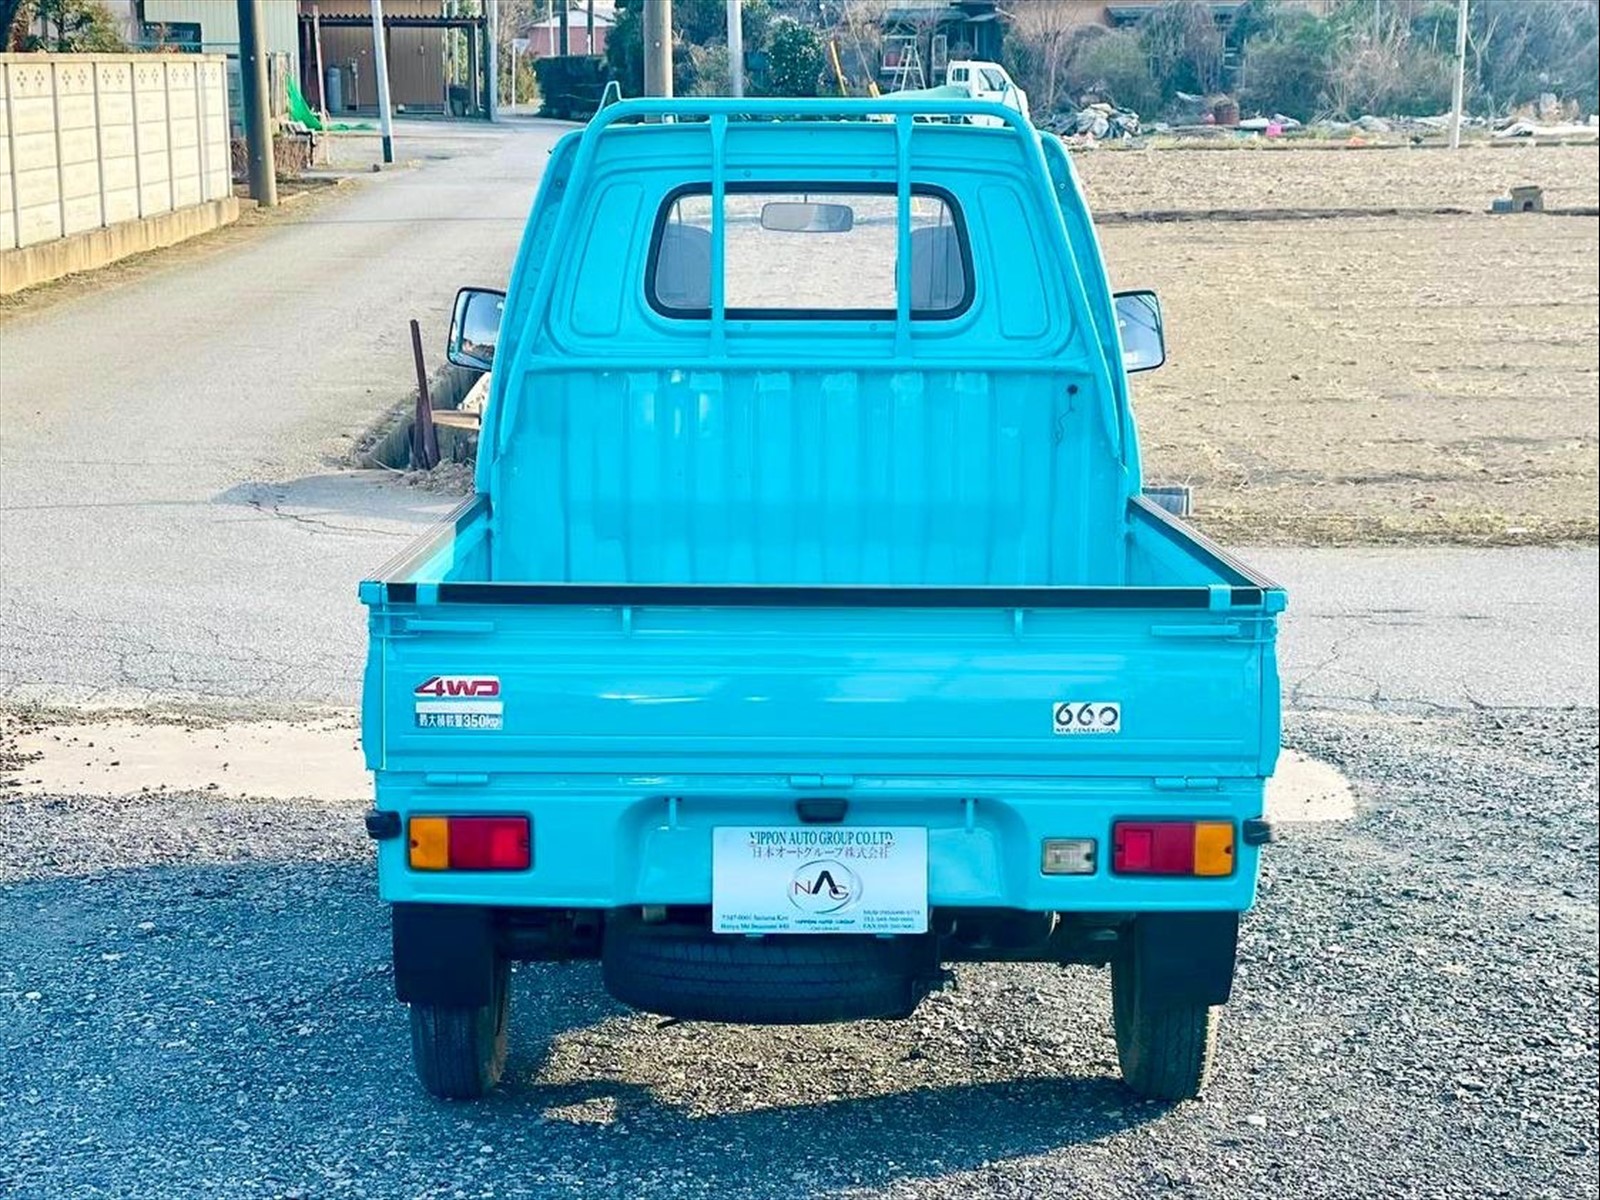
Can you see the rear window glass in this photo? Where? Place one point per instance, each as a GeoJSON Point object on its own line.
{"type": "Point", "coordinates": [794, 252]}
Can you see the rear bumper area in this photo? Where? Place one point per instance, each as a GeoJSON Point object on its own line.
{"type": "Point", "coordinates": [649, 842]}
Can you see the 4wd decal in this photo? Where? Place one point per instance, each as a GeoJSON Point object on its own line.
{"type": "Point", "coordinates": [459, 702]}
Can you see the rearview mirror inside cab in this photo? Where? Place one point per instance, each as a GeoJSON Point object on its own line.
{"type": "Point", "coordinates": [1144, 347]}
{"type": "Point", "coordinates": [789, 216]}
{"type": "Point", "coordinates": [475, 328]}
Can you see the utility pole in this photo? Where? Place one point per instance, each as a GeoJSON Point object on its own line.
{"type": "Point", "coordinates": [491, 10]}
{"type": "Point", "coordinates": [658, 48]}
{"type": "Point", "coordinates": [1458, 94]}
{"type": "Point", "coordinates": [588, 29]}
{"type": "Point", "coordinates": [565, 27]}
{"type": "Point", "coordinates": [380, 68]}
{"type": "Point", "coordinates": [322, 76]}
{"type": "Point", "coordinates": [257, 105]}
{"type": "Point", "coordinates": [736, 47]}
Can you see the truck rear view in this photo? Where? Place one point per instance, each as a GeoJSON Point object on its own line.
{"type": "Point", "coordinates": [809, 631]}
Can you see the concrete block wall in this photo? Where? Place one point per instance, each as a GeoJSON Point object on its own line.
{"type": "Point", "coordinates": [92, 140]}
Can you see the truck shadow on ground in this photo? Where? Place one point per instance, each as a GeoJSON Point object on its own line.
{"type": "Point", "coordinates": [737, 1100]}
{"type": "Point", "coordinates": [275, 975]}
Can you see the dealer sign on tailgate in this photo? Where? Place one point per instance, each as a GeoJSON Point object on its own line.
{"type": "Point", "coordinates": [459, 702]}
{"type": "Point", "coordinates": [809, 880]}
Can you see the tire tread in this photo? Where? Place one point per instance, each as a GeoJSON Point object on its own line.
{"type": "Point", "coordinates": [460, 1053]}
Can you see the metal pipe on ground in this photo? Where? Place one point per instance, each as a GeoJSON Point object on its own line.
{"type": "Point", "coordinates": [424, 438]}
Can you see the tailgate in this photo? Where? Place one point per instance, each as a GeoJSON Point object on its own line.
{"type": "Point", "coordinates": [852, 681]}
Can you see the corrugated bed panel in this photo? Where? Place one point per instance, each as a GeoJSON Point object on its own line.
{"type": "Point", "coordinates": [913, 477]}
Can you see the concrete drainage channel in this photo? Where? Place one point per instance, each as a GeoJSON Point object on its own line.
{"type": "Point", "coordinates": [455, 393]}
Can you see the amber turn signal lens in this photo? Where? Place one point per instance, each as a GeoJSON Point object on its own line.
{"type": "Point", "coordinates": [1213, 848]}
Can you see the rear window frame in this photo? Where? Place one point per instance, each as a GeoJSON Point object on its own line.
{"type": "Point", "coordinates": [958, 220]}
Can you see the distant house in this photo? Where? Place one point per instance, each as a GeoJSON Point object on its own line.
{"type": "Point", "coordinates": [429, 71]}
{"type": "Point", "coordinates": [1119, 13]}
{"type": "Point", "coordinates": [921, 37]}
{"type": "Point", "coordinates": [541, 37]}
{"type": "Point", "coordinates": [211, 26]}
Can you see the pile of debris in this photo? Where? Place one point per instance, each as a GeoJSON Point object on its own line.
{"type": "Point", "coordinates": [1096, 123]}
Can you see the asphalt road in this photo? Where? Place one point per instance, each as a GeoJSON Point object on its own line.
{"type": "Point", "coordinates": [177, 520]}
{"type": "Point", "coordinates": [175, 516]}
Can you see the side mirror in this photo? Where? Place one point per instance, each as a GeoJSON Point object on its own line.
{"type": "Point", "coordinates": [475, 328]}
{"type": "Point", "coordinates": [1144, 346]}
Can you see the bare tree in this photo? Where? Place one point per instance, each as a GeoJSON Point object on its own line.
{"type": "Point", "coordinates": [860, 31]}
{"type": "Point", "coordinates": [1044, 35]}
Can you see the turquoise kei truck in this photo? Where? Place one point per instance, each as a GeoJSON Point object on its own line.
{"type": "Point", "coordinates": [810, 629]}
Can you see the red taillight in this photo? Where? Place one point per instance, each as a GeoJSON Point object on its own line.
{"type": "Point", "coordinates": [1172, 848]}
{"type": "Point", "coordinates": [470, 844]}
{"type": "Point", "coordinates": [489, 843]}
{"type": "Point", "coordinates": [1152, 847]}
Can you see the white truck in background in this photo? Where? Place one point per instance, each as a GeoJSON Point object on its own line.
{"type": "Point", "coordinates": [986, 81]}
{"type": "Point", "coordinates": [973, 79]}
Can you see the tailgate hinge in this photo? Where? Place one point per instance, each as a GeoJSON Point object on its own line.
{"type": "Point", "coordinates": [433, 625]}
{"type": "Point", "coordinates": [1232, 629]}
{"type": "Point", "coordinates": [1187, 783]}
{"type": "Point", "coordinates": [397, 625]}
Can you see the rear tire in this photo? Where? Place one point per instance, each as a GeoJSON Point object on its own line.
{"type": "Point", "coordinates": [1165, 1049]}
{"type": "Point", "coordinates": [460, 1053]}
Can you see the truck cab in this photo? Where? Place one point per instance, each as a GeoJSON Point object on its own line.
{"type": "Point", "coordinates": [809, 631]}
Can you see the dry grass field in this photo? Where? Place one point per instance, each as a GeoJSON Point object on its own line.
{"type": "Point", "coordinates": [1368, 379]}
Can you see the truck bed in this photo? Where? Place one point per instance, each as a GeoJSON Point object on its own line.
{"type": "Point", "coordinates": [615, 702]}
{"type": "Point", "coordinates": [921, 680]}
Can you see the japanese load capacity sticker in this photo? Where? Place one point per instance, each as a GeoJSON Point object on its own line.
{"type": "Point", "coordinates": [1086, 716]}
{"type": "Point", "coordinates": [459, 702]}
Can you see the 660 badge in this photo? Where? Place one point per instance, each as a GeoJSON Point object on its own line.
{"type": "Point", "coordinates": [1087, 716]}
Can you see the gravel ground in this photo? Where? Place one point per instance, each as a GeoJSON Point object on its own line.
{"type": "Point", "coordinates": [197, 1002]}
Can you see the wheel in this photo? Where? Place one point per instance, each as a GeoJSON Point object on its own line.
{"type": "Point", "coordinates": [1165, 1049]}
{"type": "Point", "coordinates": [460, 1053]}
{"type": "Point", "coordinates": [800, 979]}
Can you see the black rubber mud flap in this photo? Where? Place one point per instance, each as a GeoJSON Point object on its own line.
{"type": "Point", "coordinates": [443, 955]}
{"type": "Point", "coordinates": [1186, 957]}
{"type": "Point", "coordinates": [695, 975]}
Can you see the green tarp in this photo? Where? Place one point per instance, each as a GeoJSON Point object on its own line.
{"type": "Point", "coordinates": [303, 114]}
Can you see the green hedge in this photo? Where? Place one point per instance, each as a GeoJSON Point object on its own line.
{"type": "Point", "coordinates": [570, 86]}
